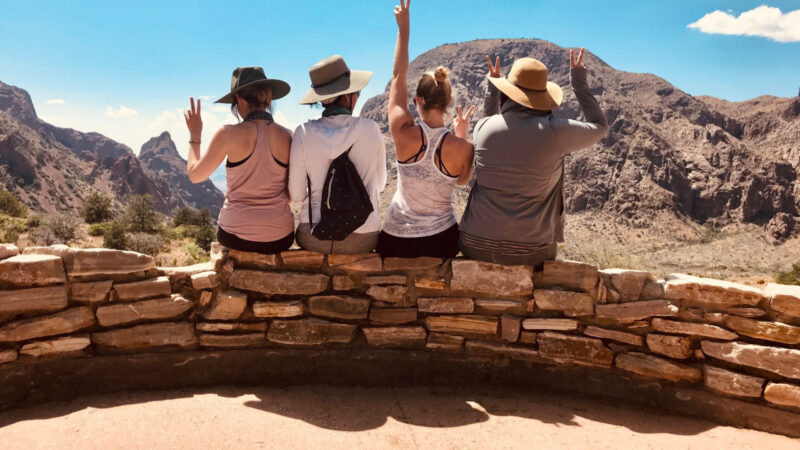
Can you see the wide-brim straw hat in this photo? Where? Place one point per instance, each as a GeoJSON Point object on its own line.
{"type": "Point", "coordinates": [527, 85]}
{"type": "Point", "coordinates": [331, 78]}
{"type": "Point", "coordinates": [244, 77]}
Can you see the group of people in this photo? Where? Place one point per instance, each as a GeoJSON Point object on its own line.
{"type": "Point", "coordinates": [514, 163]}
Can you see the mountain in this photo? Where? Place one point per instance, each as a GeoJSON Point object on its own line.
{"type": "Point", "coordinates": [53, 169]}
{"type": "Point", "coordinates": [699, 158]}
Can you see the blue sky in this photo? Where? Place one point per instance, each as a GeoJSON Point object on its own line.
{"type": "Point", "coordinates": [89, 59]}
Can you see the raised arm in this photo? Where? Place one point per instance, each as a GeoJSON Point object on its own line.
{"type": "Point", "coordinates": [491, 102]}
{"type": "Point", "coordinates": [575, 135]}
{"type": "Point", "coordinates": [400, 119]}
{"type": "Point", "coordinates": [200, 167]}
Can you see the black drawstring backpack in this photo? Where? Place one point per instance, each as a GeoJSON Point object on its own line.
{"type": "Point", "coordinates": [345, 203]}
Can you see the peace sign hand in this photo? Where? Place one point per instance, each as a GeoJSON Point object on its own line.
{"type": "Point", "coordinates": [461, 122]}
{"type": "Point", "coordinates": [193, 121]}
{"type": "Point", "coordinates": [494, 70]}
{"type": "Point", "coordinates": [401, 14]}
{"type": "Point", "coordinates": [576, 64]}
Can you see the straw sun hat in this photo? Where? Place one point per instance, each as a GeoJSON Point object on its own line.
{"type": "Point", "coordinates": [527, 85]}
{"type": "Point", "coordinates": [331, 78]}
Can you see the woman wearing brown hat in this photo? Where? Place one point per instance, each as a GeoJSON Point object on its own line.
{"type": "Point", "coordinates": [420, 220]}
{"type": "Point", "coordinates": [317, 143]}
{"type": "Point", "coordinates": [255, 216]}
{"type": "Point", "coordinates": [515, 211]}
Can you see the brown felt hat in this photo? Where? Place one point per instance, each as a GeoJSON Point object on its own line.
{"type": "Point", "coordinates": [527, 85]}
{"type": "Point", "coordinates": [244, 77]}
{"type": "Point", "coordinates": [331, 78]}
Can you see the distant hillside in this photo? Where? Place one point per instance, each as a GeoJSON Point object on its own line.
{"type": "Point", "coordinates": [52, 169]}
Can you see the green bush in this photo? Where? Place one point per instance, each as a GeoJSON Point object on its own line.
{"type": "Point", "coordinates": [204, 237]}
{"type": "Point", "coordinates": [99, 229]}
{"type": "Point", "coordinates": [65, 228]}
{"type": "Point", "coordinates": [115, 237]}
{"type": "Point", "coordinates": [190, 216]}
{"type": "Point", "coordinates": [141, 215]}
{"type": "Point", "coordinates": [791, 276]}
{"type": "Point", "coordinates": [11, 205]}
{"type": "Point", "coordinates": [10, 237]}
{"type": "Point", "coordinates": [33, 222]}
{"type": "Point", "coordinates": [96, 208]}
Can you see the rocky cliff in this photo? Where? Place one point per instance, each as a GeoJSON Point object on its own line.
{"type": "Point", "coordinates": [699, 158]}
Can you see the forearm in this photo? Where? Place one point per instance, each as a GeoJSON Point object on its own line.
{"type": "Point", "coordinates": [491, 101]}
{"type": "Point", "coordinates": [192, 161]}
{"type": "Point", "coordinates": [589, 106]}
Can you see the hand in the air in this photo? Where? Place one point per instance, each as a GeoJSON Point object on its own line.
{"type": "Point", "coordinates": [193, 121]}
{"type": "Point", "coordinates": [461, 122]}
{"type": "Point", "coordinates": [572, 62]}
{"type": "Point", "coordinates": [494, 70]}
{"type": "Point", "coordinates": [401, 14]}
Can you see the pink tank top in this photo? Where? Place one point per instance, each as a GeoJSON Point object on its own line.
{"type": "Point", "coordinates": [256, 204]}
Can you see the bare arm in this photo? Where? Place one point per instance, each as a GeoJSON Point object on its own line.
{"type": "Point", "coordinates": [400, 120]}
{"type": "Point", "coordinates": [298, 186]}
{"type": "Point", "coordinates": [201, 166]}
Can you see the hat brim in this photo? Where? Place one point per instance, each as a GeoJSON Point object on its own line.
{"type": "Point", "coordinates": [279, 89]}
{"type": "Point", "coordinates": [546, 100]}
{"type": "Point", "coordinates": [357, 81]}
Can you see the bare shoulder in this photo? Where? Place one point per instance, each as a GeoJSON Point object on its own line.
{"type": "Point", "coordinates": [282, 132]}
{"type": "Point", "coordinates": [460, 146]}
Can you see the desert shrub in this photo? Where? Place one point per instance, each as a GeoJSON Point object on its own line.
{"type": "Point", "coordinates": [205, 236]}
{"type": "Point", "coordinates": [195, 254]}
{"type": "Point", "coordinates": [791, 276]}
{"type": "Point", "coordinates": [11, 205]}
{"type": "Point", "coordinates": [43, 236]}
{"type": "Point", "coordinates": [65, 228]}
{"type": "Point", "coordinates": [115, 237]}
{"type": "Point", "coordinates": [10, 236]}
{"type": "Point", "coordinates": [96, 208]}
{"type": "Point", "coordinates": [141, 215]}
{"type": "Point", "coordinates": [149, 244]}
{"type": "Point", "coordinates": [33, 222]}
{"type": "Point", "coordinates": [99, 229]}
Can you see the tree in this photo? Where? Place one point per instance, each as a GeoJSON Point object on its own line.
{"type": "Point", "coordinates": [185, 216]}
{"type": "Point", "coordinates": [11, 205]}
{"type": "Point", "coordinates": [115, 237]}
{"type": "Point", "coordinates": [96, 208]}
{"type": "Point", "coordinates": [141, 215]}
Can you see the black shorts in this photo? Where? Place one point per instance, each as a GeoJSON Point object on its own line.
{"type": "Point", "coordinates": [441, 245]}
{"type": "Point", "coordinates": [236, 243]}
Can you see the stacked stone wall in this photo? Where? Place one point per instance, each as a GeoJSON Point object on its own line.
{"type": "Point", "coordinates": [730, 340]}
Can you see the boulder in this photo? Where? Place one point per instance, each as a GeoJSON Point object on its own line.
{"type": "Point", "coordinates": [231, 327]}
{"type": "Point", "coordinates": [23, 271]}
{"type": "Point", "coordinates": [33, 300]}
{"type": "Point", "coordinates": [91, 292]}
{"type": "Point", "coordinates": [779, 228]}
{"type": "Point", "coordinates": [249, 260]}
{"type": "Point", "coordinates": [446, 305]}
{"type": "Point", "coordinates": [205, 280]}
{"type": "Point", "coordinates": [783, 394]}
{"type": "Point", "coordinates": [140, 290]}
{"type": "Point", "coordinates": [570, 275]}
{"type": "Point", "coordinates": [8, 250]}
{"type": "Point", "coordinates": [303, 258]}
{"type": "Point", "coordinates": [650, 366]}
{"type": "Point", "coordinates": [614, 335]}
{"type": "Point", "coordinates": [366, 262]}
{"type": "Point", "coordinates": [446, 342]}
{"type": "Point", "coordinates": [270, 310]}
{"type": "Point", "coordinates": [151, 336]}
{"type": "Point", "coordinates": [155, 309]}
{"type": "Point", "coordinates": [60, 346]}
{"type": "Point", "coordinates": [398, 337]}
{"type": "Point", "coordinates": [64, 322]}
{"type": "Point", "coordinates": [572, 304]}
{"type": "Point", "coordinates": [468, 325]}
{"type": "Point", "coordinates": [550, 324]}
{"type": "Point", "coordinates": [780, 361]}
{"type": "Point", "coordinates": [424, 263]}
{"type": "Point", "coordinates": [582, 351]}
{"type": "Point", "coordinates": [708, 293]}
{"type": "Point", "coordinates": [693, 329]}
{"type": "Point", "coordinates": [339, 307]}
{"type": "Point", "coordinates": [103, 261]}
{"type": "Point", "coordinates": [226, 305]}
{"type": "Point", "coordinates": [767, 331]}
{"type": "Point", "coordinates": [232, 340]}
{"type": "Point", "coordinates": [731, 383]}
{"type": "Point", "coordinates": [784, 299]}
{"type": "Point", "coordinates": [491, 279]}
{"type": "Point", "coordinates": [678, 347]}
{"type": "Point", "coordinates": [495, 307]}
{"type": "Point", "coordinates": [392, 316]}
{"type": "Point", "coordinates": [631, 312]}
{"type": "Point", "coordinates": [310, 332]}
{"type": "Point", "coordinates": [279, 282]}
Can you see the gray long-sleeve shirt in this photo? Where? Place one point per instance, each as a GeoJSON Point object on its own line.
{"type": "Point", "coordinates": [518, 194]}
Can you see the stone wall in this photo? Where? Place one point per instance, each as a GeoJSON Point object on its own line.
{"type": "Point", "coordinates": [717, 339]}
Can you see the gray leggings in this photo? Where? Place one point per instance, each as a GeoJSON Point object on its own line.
{"type": "Point", "coordinates": [353, 244]}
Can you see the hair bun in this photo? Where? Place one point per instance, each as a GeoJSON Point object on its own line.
{"type": "Point", "coordinates": [440, 74]}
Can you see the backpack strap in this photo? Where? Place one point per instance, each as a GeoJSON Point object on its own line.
{"type": "Point", "coordinates": [308, 182]}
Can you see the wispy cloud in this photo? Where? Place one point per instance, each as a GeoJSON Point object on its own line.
{"type": "Point", "coordinates": [764, 21]}
{"type": "Point", "coordinates": [220, 109]}
{"type": "Point", "coordinates": [122, 111]}
{"type": "Point", "coordinates": [56, 101]}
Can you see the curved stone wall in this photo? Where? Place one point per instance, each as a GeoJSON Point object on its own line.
{"type": "Point", "coordinates": [95, 320]}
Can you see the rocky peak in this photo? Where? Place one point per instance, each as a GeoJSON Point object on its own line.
{"type": "Point", "coordinates": [161, 146]}
{"type": "Point", "coordinates": [18, 103]}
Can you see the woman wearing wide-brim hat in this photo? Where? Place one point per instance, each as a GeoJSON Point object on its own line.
{"type": "Point", "coordinates": [515, 211]}
{"type": "Point", "coordinates": [317, 143]}
{"type": "Point", "coordinates": [256, 216]}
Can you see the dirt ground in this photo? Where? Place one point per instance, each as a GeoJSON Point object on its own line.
{"type": "Point", "coordinates": [304, 417]}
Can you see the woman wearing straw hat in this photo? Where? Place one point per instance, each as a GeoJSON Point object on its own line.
{"type": "Point", "coordinates": [255, 216]}
{"type": "Point", "coordinates": [515, 211]}
{"type": "Point", "coordinates": [430, 161]}
{"type": "Point", "coordinates": [317, 143]}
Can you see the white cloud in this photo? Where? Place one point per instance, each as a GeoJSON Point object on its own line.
{"type": "Point", "coordinates": [764, 21]}
{"type": "Point", "coordinates": [220, 109]}
{"type": "Point", "coordinates": [122, 111]}
{"type": "Point", "coordinates": [56, 101]}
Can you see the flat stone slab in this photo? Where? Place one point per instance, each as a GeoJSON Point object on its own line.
{"type": "Point", "coordinates": [270, 310]}
{"type": "Point", "coordinates": [33, 300]}
{"type": "Point", "coordinates": [628, 283]}
{"type": "Point", "coordinates": [398, 337]}
{"type": "Point", "coordinates": [392, 316]}
{"type": "Point", "coordinates": [7, 356]}
{"type": "Point", "coordinates": [506, 351]}
{"type": "Point", "coordinates": [570, 275]}
{"type": "Point", "coordinates": [693, 329]}
{"type": "Point", "coordinates": [140, 290]}
{"type": "Point", "coordinates": [550, 324]}
{"type": "Point", "coordinates": [226, 305]}
{"type": "Point", "coordinates": [64, 322]}
{"type": "Point", "coordinates": [510, 328]}
{"type": "Point", "coordinates": [767, 331]}
{"type": "Point", "coordinates": [780, 361]}
{"type": "Point", "coordinates": [783, 394]}
{"type": "Point", "coordinates": [60, 346]}
{"type": "Point", "coordinates": [232, 340]}
{"type": "Point", "coordinates": [310, 332]}
{"type": "Point", "coordinates": [91, 292]}
{"type": "Point", "coordinates": [570, 349]}
{"type": "Point", "coordinates": [303, 258]}
{"type": "Point", "coordinates": [491, 279]}
{"type": "Point", "coordinates": [496, 307]}
{"type": "Point", "coordinates": [279, 282]}
{"type": "Point", "coordinates": [654, 367]}
{"type": "Point", "coordinates": [446, 305]}
{"type": "Point", "coordinates": [731, 383]}
{"type": "Point", "coordinates": [185, 272]}
{"type": "Point", "coordinates": [390, 294]}
{"type": "Point", "coordinates": [103, 261]}
{"type": "Point", "coordinates": [231, 327]}
{"type": "Point", "coordinates": [252, 260]}
{"type": "Point", "coordinates": [343, 283]}
{"type": "Point", "coordinates": [31, 270]}
{"type": "Point", "coordinates": [8, 250]}
{"type": "Point", "coordinates": [151, 336]}
{"type": "Point", "coordinates": [384, 280]}
{"type": "Point", "coordinates": [424, 263]}
{"type": "Point", "coordinates": [205, 280]}
{"type": "Point", "coordinates": [339, 307]}
{"type": "Point", "coordinates": [572, 304]}
{"type": "Point", "coordinates": [444, 342]}
{"type": "Point", "coordinates": [155, 309]}
{"type": "Point", "coordinates": [614, 335]}
{"type": "Point", "coordinates": [678, 347]}
{"type": "Point", "coordinates": [783, 298]}
{"type": "Point", "coordinates": [633, 311]}
{"type": "Point", "coordinates": [470, 325]}
{"type": "Point", "coordinates": [430, 284]}
{"type": "Point", "coordinates": [710, 293]}
{"type": "Point", "coordinates": [366, 262]}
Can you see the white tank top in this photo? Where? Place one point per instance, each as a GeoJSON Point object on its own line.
{"type": "Point", "coordinates": [422, 205]}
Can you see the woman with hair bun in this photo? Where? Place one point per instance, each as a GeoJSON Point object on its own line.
{"type": "Point", "coordinates": [420, 220]}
